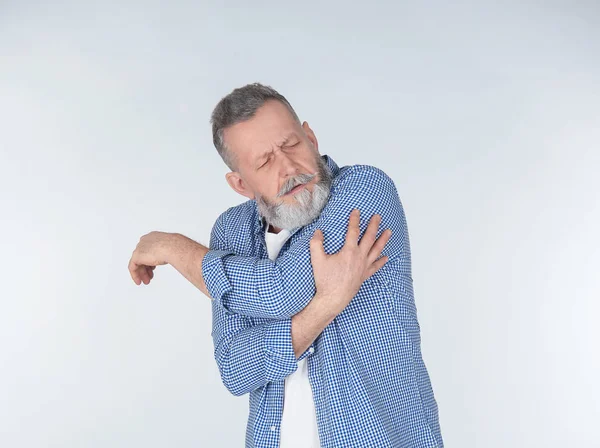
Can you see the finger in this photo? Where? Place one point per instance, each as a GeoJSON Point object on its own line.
{"type": "Point", "coordinates": [378, 264]}
{"type": "Point", "coordinates": [143, 274]}
{"type": "Point", "coordinates": [139, 273]}
{"type": "Point", "coordinates": [353, 228]}
{"type": "Point", "coordinates": [146, 275]}
{"type": "Point", "coordinates": [379, 245]}
{"type": "Point", "coordinates": [133, 271]}
{"type": "Point", "coordinates": [317, 251]}
{"type": "Point", "coordinates": [148, 272]}
{"type": "Point", "coordinates": [368, 238]}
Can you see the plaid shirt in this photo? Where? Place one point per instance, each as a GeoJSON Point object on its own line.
{"type": "Point", "coordinates": [369, 381]}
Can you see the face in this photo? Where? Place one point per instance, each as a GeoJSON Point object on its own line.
{"type": "Point", "coordinates": [279, 166]}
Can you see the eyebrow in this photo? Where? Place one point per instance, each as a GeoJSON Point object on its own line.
{"type": "Point", "coordinates": [285, 140]}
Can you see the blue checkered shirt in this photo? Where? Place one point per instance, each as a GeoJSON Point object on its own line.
{"type": "Point", "coordinates": [369, 381]}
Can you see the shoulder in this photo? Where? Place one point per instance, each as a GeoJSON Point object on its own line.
{"type": "Point", "coordinates": [365, 187]}
{"type": "Point", "coordinates": [236, 226]}
{"type": "Point", "coordinates": [236, 220]}
{"type": "Point", "coordinates": [362, 176]}
{"type": "Point", "coordinates": [237, 216]}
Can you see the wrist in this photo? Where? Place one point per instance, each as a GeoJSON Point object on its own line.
{"type": "Point", "coordinates": [171, 245]}
{"type": "Point", "coordinates": [186, 256]}
{"type": "Point", "coordinates": [324, 306]}
{"type": "Point", "coordinates": [308, 324]}
{"type": "Point", "coordinates": [176, 247]}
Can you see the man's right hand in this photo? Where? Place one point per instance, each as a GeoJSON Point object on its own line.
{"type": "Point", "coordinates": [339, 276]}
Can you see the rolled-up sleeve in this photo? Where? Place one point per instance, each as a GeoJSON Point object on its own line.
{"type": "Point", "coordinates": [248, 356]}
{"type": "Point", "coordinates": [282, 287]}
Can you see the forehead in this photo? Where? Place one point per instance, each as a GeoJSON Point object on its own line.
{"type": "Point", "coordinates": [270, 126]}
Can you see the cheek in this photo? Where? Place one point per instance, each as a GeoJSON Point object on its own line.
{"type": "Point", "coordinates": [267, 190]}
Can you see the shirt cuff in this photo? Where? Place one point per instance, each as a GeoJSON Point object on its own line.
{"type": "Point", "coordinates": [281, 360]}
{"type": "Point", "coordinates": [213, 273]}
{"type": "Point", "coordinates": [279, 341]}
{"type": "Point", "coordinates": [309, 351]}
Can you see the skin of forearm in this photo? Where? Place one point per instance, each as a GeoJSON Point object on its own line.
{"type": "Point", "coordinates": [310, 322]}
{"type": "Point", "coordinates": [186, 255]}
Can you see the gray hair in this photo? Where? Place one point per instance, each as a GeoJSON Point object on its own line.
{"type": "Point", "coordinates": [241, 105]}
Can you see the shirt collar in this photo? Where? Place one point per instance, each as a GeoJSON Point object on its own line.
{"type": "Point", "coordinates": [261, 224]}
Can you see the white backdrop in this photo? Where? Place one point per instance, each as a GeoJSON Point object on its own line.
{"type": "Point", "coordinates": [486, 117]}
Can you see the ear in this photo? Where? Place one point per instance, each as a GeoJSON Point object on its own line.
{"type": "Point", "coordinates": [311, 136]}
{"type": "Point", "coordinates": [236, 182]}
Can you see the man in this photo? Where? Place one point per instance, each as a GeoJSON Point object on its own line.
{"type": "Point", "coordinates": [288, 323]}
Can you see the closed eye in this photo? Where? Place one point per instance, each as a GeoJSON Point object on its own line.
{"type": "Point", "coordinates": [269, 158]}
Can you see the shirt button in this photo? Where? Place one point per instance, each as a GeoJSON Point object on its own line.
{"type": "Point", "coordinates": [273, 428]}
{"type": "Point", "coordinates": [311, 350]}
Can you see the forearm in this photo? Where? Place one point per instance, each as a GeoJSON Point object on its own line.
{"type": "Point", "coordinates": [283, 287]}
{"type": "Point", "coordinates": [251, 356]}
{"type": "Point", "coordinates": [310, 322]}
{"type": "Point", "coordinates": [185, 255]}
{"type": "Point", "coordinates": [254, 356]}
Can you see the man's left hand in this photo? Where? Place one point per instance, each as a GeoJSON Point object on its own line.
{"type": "Point", "coordinates": [150, 252]}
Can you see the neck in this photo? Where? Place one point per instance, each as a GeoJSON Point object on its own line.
{"type": "Point", "coordinates": [273, 229]}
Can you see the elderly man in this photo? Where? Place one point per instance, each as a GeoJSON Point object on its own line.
{"type": "Point", "coordinates": [327, 346]}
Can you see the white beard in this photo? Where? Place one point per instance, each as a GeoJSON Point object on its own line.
{"type": "Point", "coordinates": [309, 204]}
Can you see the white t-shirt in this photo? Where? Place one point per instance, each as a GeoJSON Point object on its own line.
{"type": "Point", "coordinates": [299, 420]}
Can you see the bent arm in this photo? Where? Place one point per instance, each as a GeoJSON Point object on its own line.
{"type": "Point", "coordinates": [249, 356]}
{"type": "Point", "coordinates": [280, 288]}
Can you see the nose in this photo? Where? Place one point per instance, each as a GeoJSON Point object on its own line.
{"type": "Point", "coordinates": [287, 166]}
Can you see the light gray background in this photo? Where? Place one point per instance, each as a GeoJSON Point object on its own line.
{"type": "Point", "coordinates": [486, 116]}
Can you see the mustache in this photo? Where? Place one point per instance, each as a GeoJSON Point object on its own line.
{"type": "Point", "coordinates": [292, 183]}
